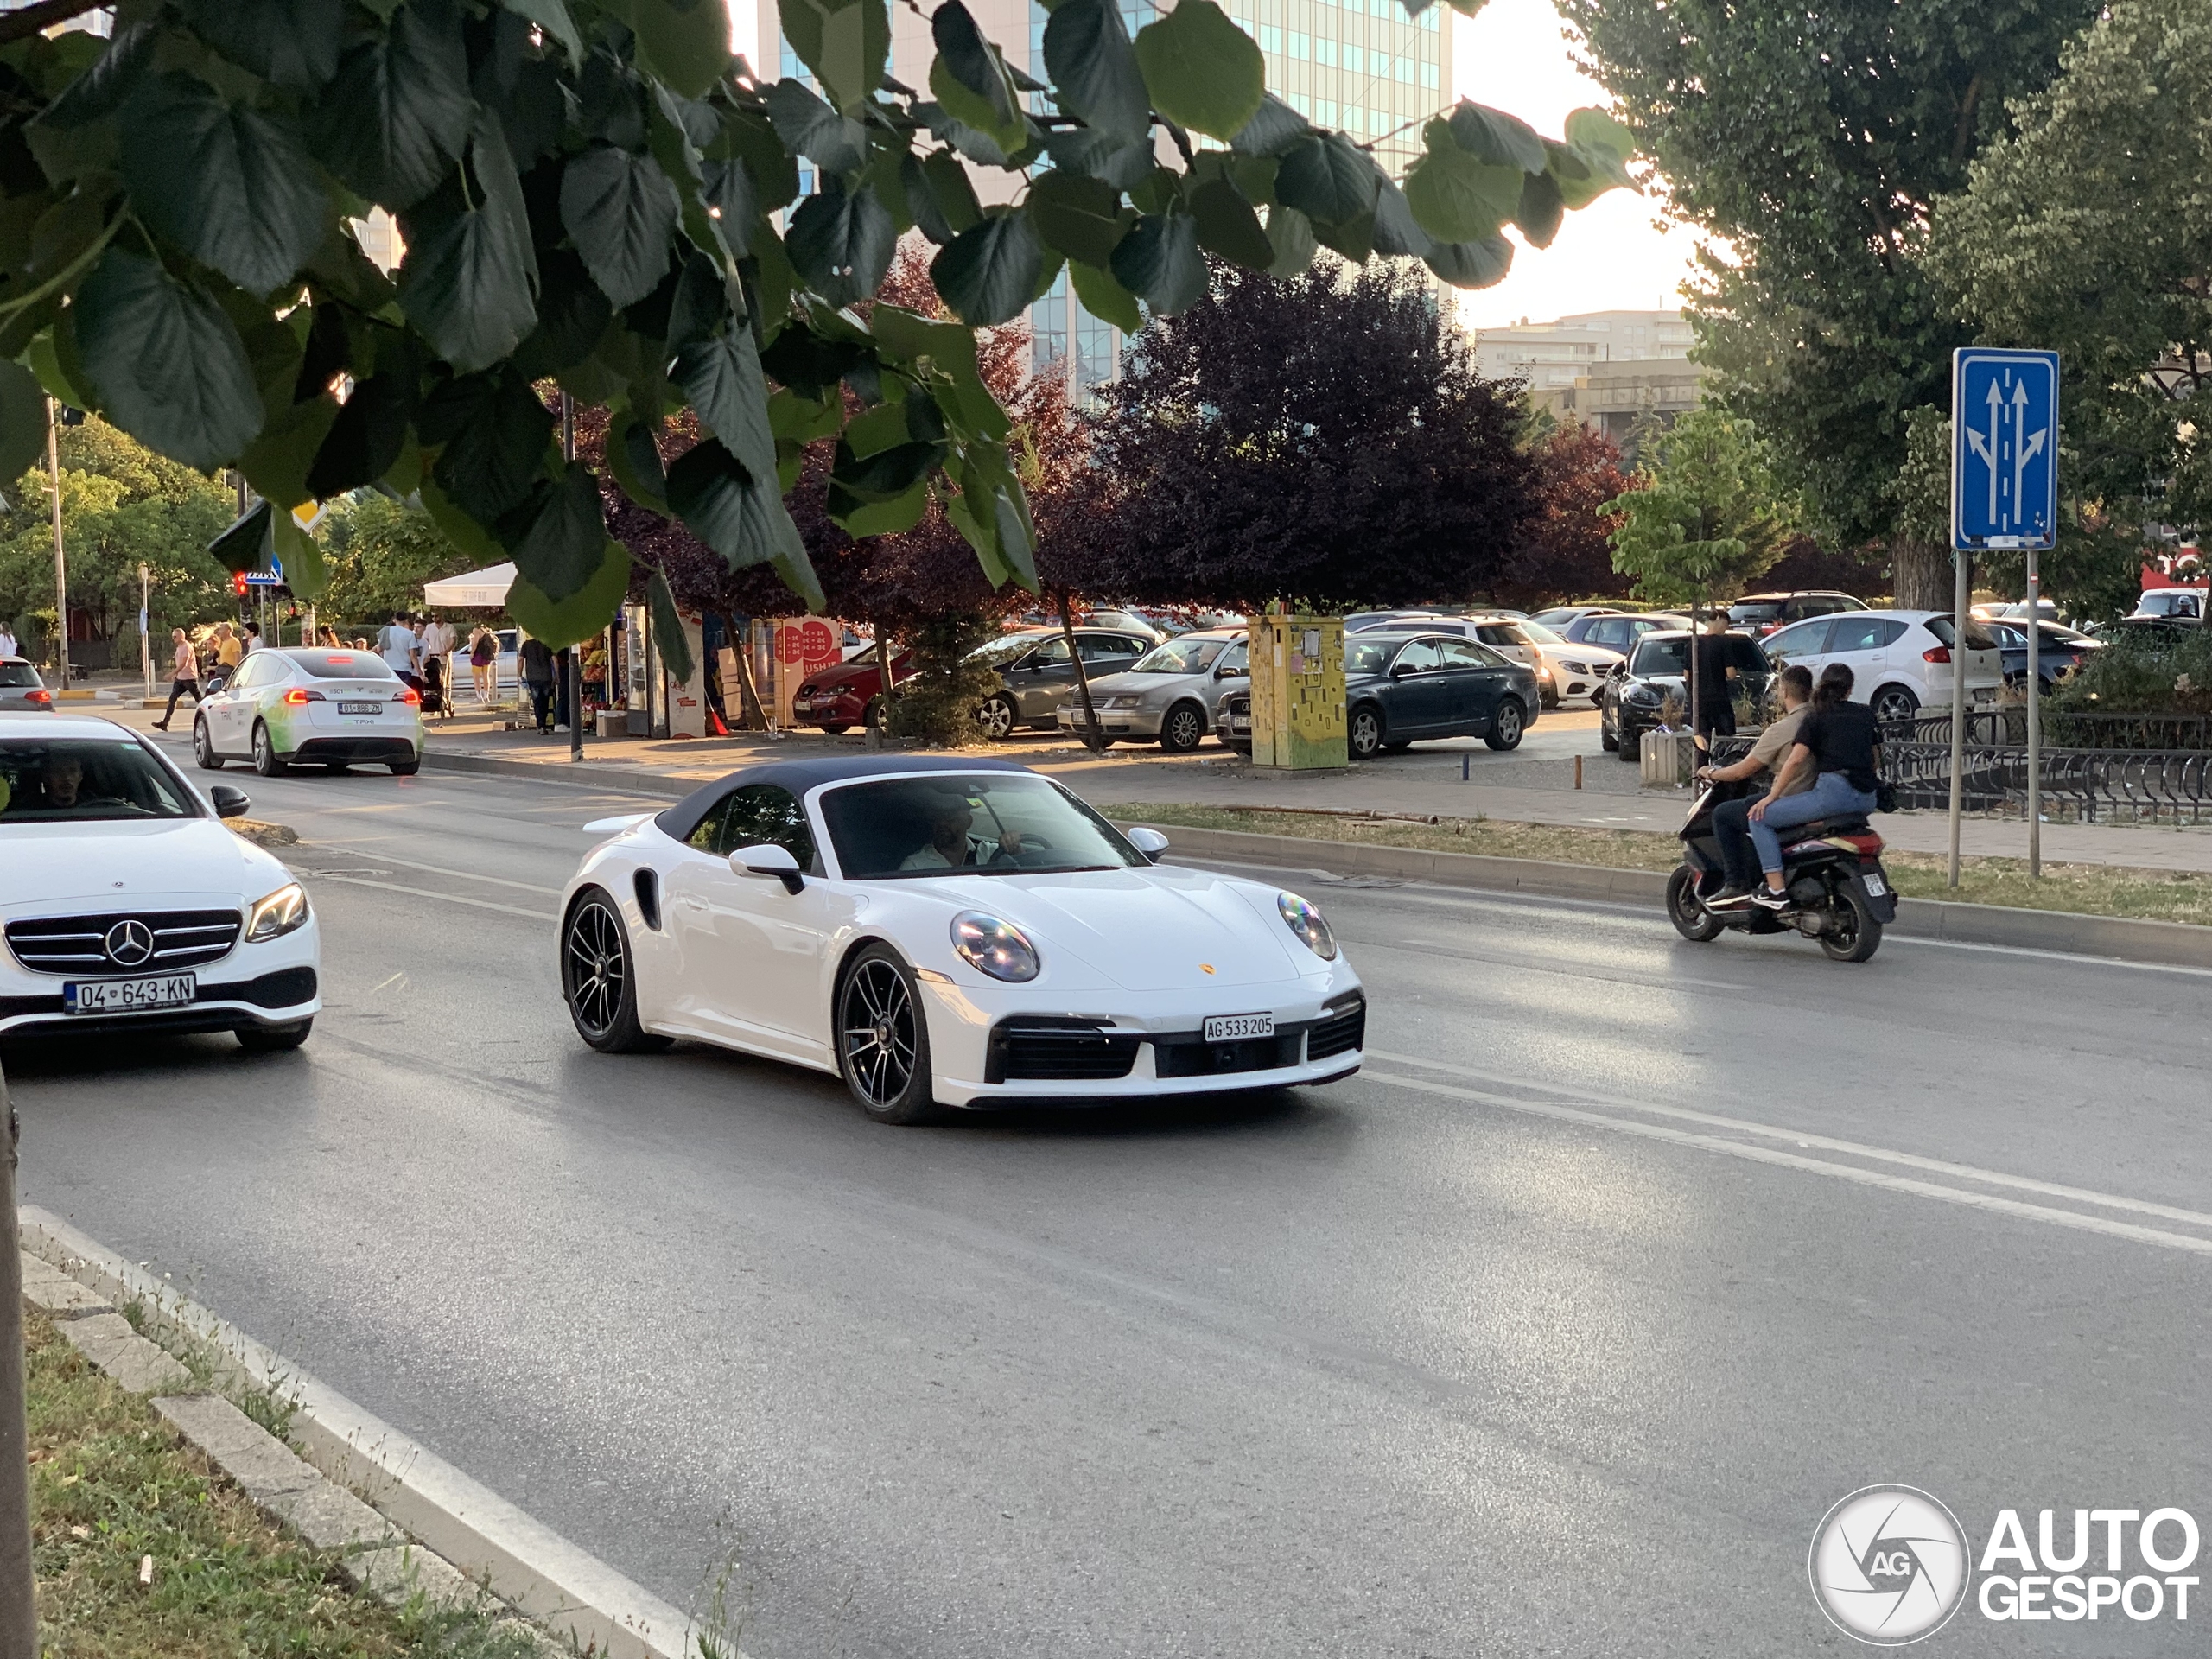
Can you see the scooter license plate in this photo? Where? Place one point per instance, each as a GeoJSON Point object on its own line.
{"type": "Point", "coordinates": [1875, 886]}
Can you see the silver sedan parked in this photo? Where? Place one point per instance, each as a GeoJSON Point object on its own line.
{"type": "Point", "coordinates": [1172, 694]}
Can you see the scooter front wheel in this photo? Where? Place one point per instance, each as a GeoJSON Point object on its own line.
{"type": "Point", "coordinates": [1691, 920]}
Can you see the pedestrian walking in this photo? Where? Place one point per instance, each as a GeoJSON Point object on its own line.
{"type": "Point", "coordinates": [484, 664]}
{"type": "Point", "coordinates": [400, 649]}
{"type": "Point", "coordinates": [538, 680]}
{"type": "Point", "coordinates": [184, 676]}
{"type": "Point", "coordinates": [8, 641]}
{"type": "Point", "coordinates": [438, 642]}
{"type": "Point", "coordinates": [228, 652]}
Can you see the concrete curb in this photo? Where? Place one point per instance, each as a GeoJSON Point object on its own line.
{"type": "Point", "coordinates": [2165, 944]}
{"type": "Point", "coordinates": [639, 782]}
{"type": "Point", "coordinates": [523, 1563]}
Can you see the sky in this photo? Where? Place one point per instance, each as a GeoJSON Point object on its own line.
{"type": "Point", "coordinates": [1612, 254]}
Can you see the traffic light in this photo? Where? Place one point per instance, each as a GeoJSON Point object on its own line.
{"type": "Point", "coordinates": [238, 583]}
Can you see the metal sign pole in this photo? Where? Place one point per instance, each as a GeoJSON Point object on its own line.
{"type": "Point", "coordinates": [60, 567]}
{"type": "Point", "coordinates": [2034, 718]}
{"type": "Point", "coordinates": [1960, 564]}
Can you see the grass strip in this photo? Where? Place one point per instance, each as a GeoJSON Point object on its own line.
{"type": "Point", "coordinates": [2077, 889]}
{"type": "Point", "coordinates": [114, 1487]}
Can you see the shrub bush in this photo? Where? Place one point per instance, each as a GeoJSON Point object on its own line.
{"type": "Point", "coordinates": [2142, 674]}
{"type": "Point", "coordinates": [938, 703]}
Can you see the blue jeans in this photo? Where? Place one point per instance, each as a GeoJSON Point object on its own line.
{"type": "Point", "coordinates": [1830, 797]}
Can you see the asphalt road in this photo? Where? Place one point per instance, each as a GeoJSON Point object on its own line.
{"type": "Point", "coordinates": [1494, 1349]}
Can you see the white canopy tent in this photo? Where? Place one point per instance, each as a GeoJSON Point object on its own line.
{"type": "Point", "coordinates": [473, 590]}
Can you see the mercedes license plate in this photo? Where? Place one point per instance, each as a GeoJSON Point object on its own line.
{"type": "Point", "coordinates": [128, 995]}
{"type": "Point", "coordinates": [1875, 886]}
{"type": "Point", "coordinates": [1236, 1027]}
{"type": "Point", "coordinates": [360, 708]}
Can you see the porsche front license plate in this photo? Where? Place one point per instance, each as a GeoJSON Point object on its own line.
{"type": "Point", "coordinates": [360, 708]}
{"type": "Point", "coordinates": [128, 995]}
{"type": "Point", "coordinates": [1234, 1027]}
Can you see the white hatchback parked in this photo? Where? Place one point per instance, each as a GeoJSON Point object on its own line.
{"type": "Point", "coordinates": [1900, 661]}
{"type": "Point", "coordinates": [327, 708]}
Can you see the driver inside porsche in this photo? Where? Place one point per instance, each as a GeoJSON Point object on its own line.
{"type": "Point", "coordinates": [953, 843]}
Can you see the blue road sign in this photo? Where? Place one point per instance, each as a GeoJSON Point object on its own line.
{"type": "Point", "coordinates": [2004, 447]}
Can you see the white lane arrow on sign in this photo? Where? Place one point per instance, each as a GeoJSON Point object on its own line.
{"type": "Point", "coordinates": [2026, 445]}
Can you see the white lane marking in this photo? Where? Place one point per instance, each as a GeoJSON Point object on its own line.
{"type": "Point", "coordinates": [1538, 963]}
{"type": "Point", "coordinates": [1958, 1195]}
{"type": "Point", "coordinates": [495, 880]}
{"type": "Point", "coordinates": [445, 898]}
{"type": "Point", "coordinates": [1827, 1143]}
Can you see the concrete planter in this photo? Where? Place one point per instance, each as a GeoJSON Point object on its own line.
{"type": "Point", "coordinates": [1667, 758]}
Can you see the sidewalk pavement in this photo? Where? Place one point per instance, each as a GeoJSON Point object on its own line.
{"type": "Point", "coordinates": [1534, 783]}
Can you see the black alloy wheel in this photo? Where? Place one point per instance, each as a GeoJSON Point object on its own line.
{"type": "Point", "coordinates": [598, 981]}
{"type": "Point", "coordinates": [997, 716]}
{"type": "Point", "coordinates": [266, 760]}
{"type": "Point", "coordinates": [883, 1045]}
{"type": "Point", "coordinates": [1628, 743]}
{"type": "Point", "coordinates": [1893, 703]}
{"type": "Point", "coordinates": [1363, 734]}
{"type": "Point", "coordinates": [1608, 734]}
{"type": "Point", "coordinates": [203, 747]}
{"type": "Point", "coordinates": [1506, 725]}
{"type": "Point", "coordinates": [1183, 729]}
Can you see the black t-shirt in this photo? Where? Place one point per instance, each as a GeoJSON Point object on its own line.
{"type": "Point", "coordinates": [1842, 736]}
{"type": "Point", "coordinates": [1714, 661]}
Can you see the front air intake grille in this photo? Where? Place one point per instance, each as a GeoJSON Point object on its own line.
{"type": "Point", "coordinates": [1186, 1054]}
{"type": "Point", "coordinates": [1039, 1049]}
{"type": "Point", "coordinates": [1339, 1033]}
{"type": "Point", "coordinates": [123, 941]}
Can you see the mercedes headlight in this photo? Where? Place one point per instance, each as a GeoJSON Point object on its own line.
{"type": "Point", "coordinates": [280, 913]}
{"type": "Point", "coordinates": [1303, 918]}
{"type": "Point", "coordinates": [1640, 694]}
{"type": "Point", "coordinates": [995, 947]}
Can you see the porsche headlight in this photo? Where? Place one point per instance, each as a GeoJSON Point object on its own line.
{"type": "Point", "coordinates": [1303, 918]}
{"type": "Point", "coordinates": [995, 947]}
{"type": "Point", "coordinates": [278, 914]}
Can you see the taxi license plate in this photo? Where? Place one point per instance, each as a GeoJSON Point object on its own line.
{"type": "Point", "coordinates": [128, 995]}
{"type": "Point", "coordinates": [360, 708]}
{"type": "Point", "coordinates": [1236, 1027]}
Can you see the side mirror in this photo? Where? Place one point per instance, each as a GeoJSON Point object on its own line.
{"type": "Point", "coordinates": [229, 801]}
{"type": "Point", "coordinates": [768, 859]}
{"type": "Point", "coordinates": [1150, 843]}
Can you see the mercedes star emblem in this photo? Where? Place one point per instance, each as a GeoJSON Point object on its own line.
{"type": "Point", "coordinates": [130, 944]}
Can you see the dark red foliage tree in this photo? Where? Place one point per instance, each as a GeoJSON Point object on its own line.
{"type": "Point", "coordinates": [1326, 440]}
{"type": "Point", "coordinates": [1563, 552]}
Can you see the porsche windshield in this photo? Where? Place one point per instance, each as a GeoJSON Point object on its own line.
{"type": "Point", "coordinates": [71, 780]}
{"type": "Point", "coordinates": [992, 823]}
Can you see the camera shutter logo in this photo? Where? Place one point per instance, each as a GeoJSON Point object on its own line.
{"type": "Point", "coordinates": [130, 944]}
{"type": "Point", "coordinates": [1888, 1564]}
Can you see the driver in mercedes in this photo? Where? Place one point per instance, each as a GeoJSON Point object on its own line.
{"type": "Point", "coordinates": [953, 845]}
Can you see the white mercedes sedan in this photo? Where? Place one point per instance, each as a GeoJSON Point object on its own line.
{"type": "Point", "coordinates": [947, 932]}
{"type": "Point", "coordinates": [127, 906]}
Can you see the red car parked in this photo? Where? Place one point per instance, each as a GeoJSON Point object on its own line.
{"type": "Point", "coordinates": [843, 696]}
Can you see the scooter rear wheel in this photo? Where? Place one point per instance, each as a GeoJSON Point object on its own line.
{"type": "Point", "coordinates": [1856, 935]}
{"type": "Point", "coordinates": [1691, 920]}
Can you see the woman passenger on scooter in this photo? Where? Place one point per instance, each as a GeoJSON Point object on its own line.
{"type": "Point", "coordinates": [1839, 741]}
{"type": "Point", "coordinates": [1732, 819]}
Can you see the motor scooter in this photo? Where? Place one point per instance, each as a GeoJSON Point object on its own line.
{"type": "Point", "coordinates": [1840, 896]}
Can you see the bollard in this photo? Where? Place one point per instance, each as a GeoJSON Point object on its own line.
{"type": "Point", "coordinates": [1578, 771]}
{"type": "Point", "coordinates": [1467, 767]}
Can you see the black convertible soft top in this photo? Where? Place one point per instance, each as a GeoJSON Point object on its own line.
{"type": "Point", "coordinates": [800, 776]}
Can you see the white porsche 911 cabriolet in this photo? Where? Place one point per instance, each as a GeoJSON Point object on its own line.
{"type": "Point", "coordinates": [943, 933]}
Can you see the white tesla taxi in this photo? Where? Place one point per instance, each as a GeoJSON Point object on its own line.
{"type": "Point", "coordinates": [943, 933]}
{"type": "Point", "coordinates": [126, 904]}
{"type": "Point", "coordinates": [323, 708]}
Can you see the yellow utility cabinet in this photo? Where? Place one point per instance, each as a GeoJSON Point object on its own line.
{"type": "Point", "coordinates": [1297, 691]}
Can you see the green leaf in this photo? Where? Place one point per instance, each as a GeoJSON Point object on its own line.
{"type": "Point", "coordinates": [365, 441]}
{"type": "Point", "coordinates": [166, 362]}
{"type": "Point", "coordinates": [989, 271]}
{"type": "Point", "coordinates": [1290, 233]}
{"type": "Point", "coordinates": [670, 635]}
{"type": "Point", "coordinates": [1395, 232]}
{"type": "Point", "coordinates": [846, 42]}
{"type": "Point", "coordinates": [952, 190]}
{"type": "Point", "coordinates": [1104, 298]}
{"type": "Point", "coordinates": [245, 544]}
{"type": "Point", "coordinates": [1081, 218]}
{"type": "Point", "coordinates": [100, 90]}
{"type": "Point", "coordinates": [684, 45]}
{"type": "Point", "coordinates": [892, 518]}
{"type": "Point", "coordinates": [722, 378]}
{"type": "Point", "coordinates": [1274, 129]}
{"type": "Point", "coordinates": [969, 76]}
{"type": "Point", "coordinates": [881, 428]}
{"type": "Point", "coordinates": [1456, 197]}
{"type": "Point", "coordinates": [406, 111]}
{"type": "Point", "coordinates": [292, 42]}
{"type": "Point", "coordinates": [1605, 142]}
{"type": "Point", "coordinates": [558, 548]}
{"type": "Point", "coordinates": [1016, 543]}
{"type": "Point", "coordinates": [496, 439]}
{"type": "Point", "coordinates": [277, 462]}
{"type": "Point", "coordinates": [841, 244]}
{"type": "Point", "coordinates": [230, 185]}
{"type": "Point", "coordinates": [1227, 225]}
{"type": "Point", "coordinates": [305, 573]}
{"type": "Point", "coordinates": [620, 212]}
{"type": "Point", "coordinates": [728, 188]}
{"type": "Point", "coordinates": [22, 421]}
{"type": "Point", "coordinates": [633, 456]}
{"type": "Point", "coordinates": [552, 16]}
{"type": "Point", "coordinates": [1495, 138]}
{"type": "Point", "coordinates": [1326, 177]}
{"type": "Point", "coordinates": [1160, 263]}
{"type": "Point", "coordinates": [1094, 69]}
{"type": "Point", "coordinates": [1541, 209]}
{"type": "Point", "coordinates": [835, 142]}
{"type": "Point", "coordinates": [1203, 71]}
{"type": "Point", "coordinates": [584, 615]}
{"type": "Point", "coordinates": [466, 283]}
{"type": "Point", "coordinates": [724, 506]}
{"type": "Point", "coordinates": [51, 356]}
{"type": "Point", "coordinates": [802, 420]}
{"type": "Point", "coordinates": [1094, 155]}
{"type": "Point", "coordinates": [572, 316]}
{"type": "Point", "coordinates": [886, 474]}
{"type": "Point", "coordinates": [1473, 265]}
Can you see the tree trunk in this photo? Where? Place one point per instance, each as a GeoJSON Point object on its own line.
{"type": "Point", "coordinates": [873, 734]}
{"type": "Point", "coordinates": [1094, 739]}
{"type": "Point", "coordinates": [748, 695]}
{"type": "Point", "coordinates": [1921, 575]}
{"type": "Point", "coordinates": [18, 1587]}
